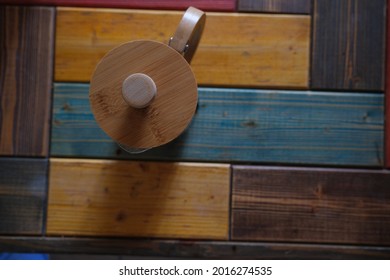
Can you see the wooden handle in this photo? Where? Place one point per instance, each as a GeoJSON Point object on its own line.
{"type": "Point", "coordinates": [187, 36]}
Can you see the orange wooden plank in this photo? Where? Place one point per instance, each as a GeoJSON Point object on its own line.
{"type": "Point", "coordinates": [236, 49]}
{"type": "Point", "coordinates": [143, 199]}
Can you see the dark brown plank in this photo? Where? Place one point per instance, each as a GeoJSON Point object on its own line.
{"type": "Point", "coordinates": [348, 45]}
{"type": "Point", "coordinates": [189, 249]}
{"type": "Point", "coordinates": [23, 184]}
{"type": "Point", "coordinates": [26, 59]}
{"type": "Point", "coordinates": [311, 205]}
{"type": "Point", "coordinates": [275, 6]}
{"type": "Point", "coordinates": [387, 116]}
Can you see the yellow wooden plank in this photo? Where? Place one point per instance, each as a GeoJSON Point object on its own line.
{"type": "Point", "coordinates": [235, 50]}
{"type": "Point", "coordinates": [141, 199]}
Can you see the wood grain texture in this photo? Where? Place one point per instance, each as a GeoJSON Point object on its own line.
{"type": "Point", "coordinates": [275, 6]}
{"type": "Point", "coordinates": [207, 5]}
{"type": "Point", "coordinates": [26, 58]}
{"type": "Point", "coordinates": [388, 91]}
{"type": "Point", "coordinates": [190, 249]}
{"type": "Point", "coordinates": [242, 125]}
{"type": "Point", "coordinates": [311, 205]}
{"type": "Point", "coordinates": [348, 45]}
{"type": "Point", "coordinates": [22, 195]}
{"type": "Point", "coordinates": [142, 199]}
{"type": "Point", "coordinates": [273, 50]}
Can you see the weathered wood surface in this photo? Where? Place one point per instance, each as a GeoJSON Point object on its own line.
{"type": "Point", "coordinates": [348, 45]}
{"type": "Point", "coordinates": [388, 92]}
{"type": "Point", "coordinates": [311, 205]}
{"type": "Point", "coordinates": [272, 50]}
{"type": "Point", "coordinates": [189, 249]}
{"type": "Point", "coordinates": [207, 5]}
{"type": "Point", "coordinates": [242, 125]}
{"type": "Point", "coordinates": [26, 59]}
{"type": "Point", "coordinates": [275, 6]}
{"type": "Point", "coordinates": [142, 199]}
{"type": "Point", "coordinates": [22, 195]}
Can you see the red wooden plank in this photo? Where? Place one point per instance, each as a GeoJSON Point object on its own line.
{"type": "Point", "coordinates": [207, 5]}
{"type": "Point", "coordinates": [387, 117]}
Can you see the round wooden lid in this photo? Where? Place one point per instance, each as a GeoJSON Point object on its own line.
{"type": "Point", "coordinates": [171, 108]}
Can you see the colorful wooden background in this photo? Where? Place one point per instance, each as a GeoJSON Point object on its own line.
{"type": "Point", "coordinates": [285, 158]}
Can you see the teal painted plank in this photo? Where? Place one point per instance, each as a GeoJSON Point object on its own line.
{"type": "Point", "coordinates": [242, 125]}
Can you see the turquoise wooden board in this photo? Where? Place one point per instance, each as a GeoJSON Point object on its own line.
{"type": "Point", "coordinates": [242, 125]}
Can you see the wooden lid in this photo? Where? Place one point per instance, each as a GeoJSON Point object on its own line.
{"type": "Point", "coordinates": [170, 110]}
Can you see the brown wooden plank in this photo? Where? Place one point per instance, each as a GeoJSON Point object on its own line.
{"type": "Point", "coordinates": [348, 45]}
{"type": "Point", "coordinates": [272, 50]}
{"type": "Point", "coordinates": [206, 5]}
{"type": "Point", "coordinates": [189, 249]}
{"type": "Point", "coordinates": [124, 198]}
{"type": "Point", "coordinates": [26, 59]}
{"type": "Point", "coordinates": [387, 115]}
{"type": "Point", "coordinates": [275, 6]}
{"type": "Point", "coordinates": [311, 205]}
{"type": "Point", "coordinates": [22, 195]}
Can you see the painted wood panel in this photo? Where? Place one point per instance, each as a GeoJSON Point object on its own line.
{"type": "Point", "coordinates": [142, 199]}
{"type": "Point", "coordinates": [348, 45]}
{"type": "Point", "coordinates": [189, 248]}
{"type": "Point", "coordinates": [272, 50]}
{"type": "Point", "coordinates": [311, 205]}
{"type": "Point", "coordinates": [22, 195]}
{"type": "Point", "coordinates": [275, 6]}
{"type": "Point", "coordinates": [207, 5]}
{"type": "Point", "coordinates": [26, 58]}
{"type": "Point", "coordinates": [266, 126]}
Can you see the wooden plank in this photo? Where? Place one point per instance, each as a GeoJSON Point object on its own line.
{"type": "Point", "coordinates": [242, 125]}
{"type": "Point", "coordinates": [311, 205]}
{"type": "Point", "coordinates": [206, 5]}
{"type": "Point", "coordinates": [189, 249]}
{"type": "Point", "coordinates": [22, 195]}
{"type": "Point", "coordinates": [272, 50]}
{"type": "Point", "coordinates": [143, 199]}
{"type": "Point", "coordinates": [275, 6]}
{"type": "Point", "coordinates": [388, 91]}
{"type": "Point", "coordinates": [348, 45]}
{"type": "Point", "coordinates": [26, 58]}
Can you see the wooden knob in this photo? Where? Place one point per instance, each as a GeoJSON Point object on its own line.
{"type": "Point", "coordinates": [139, 90]}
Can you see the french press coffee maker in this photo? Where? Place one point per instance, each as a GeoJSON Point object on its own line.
{"type": "Point", "coordinates": [143, 93]}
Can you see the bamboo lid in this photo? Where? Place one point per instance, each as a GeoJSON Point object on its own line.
{"type": "Point", "coordinates": [173, 104]}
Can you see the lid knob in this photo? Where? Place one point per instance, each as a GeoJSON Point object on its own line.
{"type": "Point", "coordinates": [139, 90]}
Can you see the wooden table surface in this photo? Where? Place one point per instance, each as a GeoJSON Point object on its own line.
{"type": "Point", "coordinates": [285, 157]}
